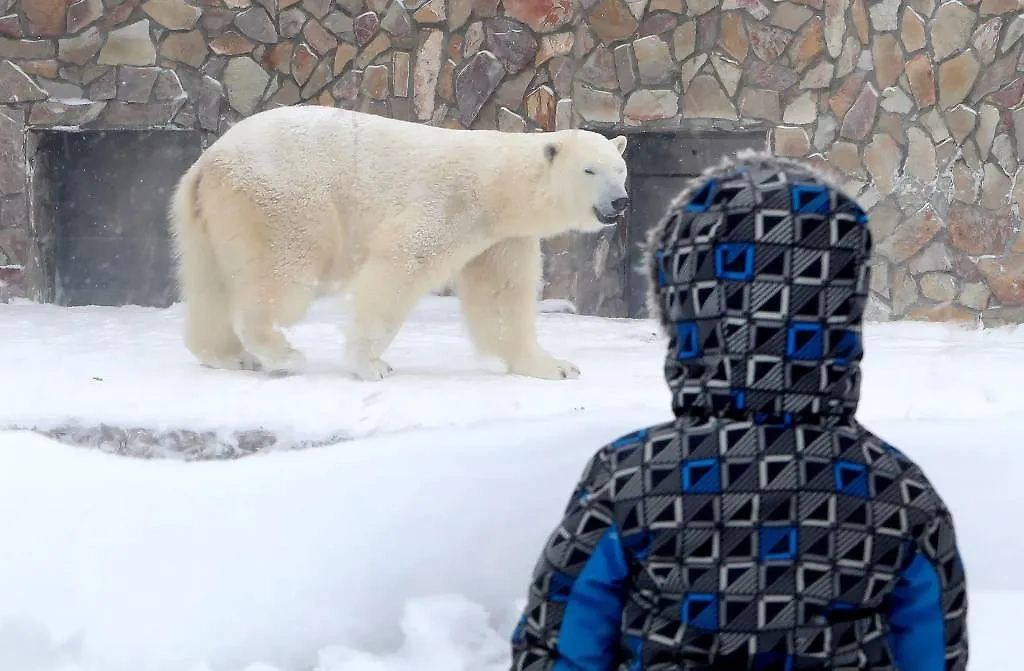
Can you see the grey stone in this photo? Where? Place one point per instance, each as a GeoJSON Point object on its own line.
{"type": "Point", "coordinates": [475, 83]}
{"type": "Point", "coordinates": [12, 147]}
{"type": "Point", "coordinates": [510, 122]}
{"type": "Point", "coordinates": [135, 84]}
{"type": "Point", "coordinates": [245, 81]}
{"type": "Point", "coordinates": [168, 86]}
{"type": "Point", "coordinates": [826, 132]}
{"type": "Point", "coordinates": [255, 24]}
{"type": "Point", "coordinates": [16, 86]}
{"type": "Point", "coordinates": [211, 92]}
{"type": "Point", "coordinates": [885, 15]}
{"type": "Point", "coordinates": [511, 42]}
{"type": "Point", "coordinates": [292, 19]}
{"type": "Point", "coordinates": [626, 71]}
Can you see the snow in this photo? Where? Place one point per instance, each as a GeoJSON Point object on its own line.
{"type": "Point", "coordinates": [408, 546]}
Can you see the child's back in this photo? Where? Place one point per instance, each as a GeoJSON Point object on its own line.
{"type": "Point", "coordinates": [764, 528]}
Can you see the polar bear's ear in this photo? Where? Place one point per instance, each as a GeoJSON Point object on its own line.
{"type": "Point", "coordinates": [550, 151]}
{"type": "Point", "coordinates": [620, 143]}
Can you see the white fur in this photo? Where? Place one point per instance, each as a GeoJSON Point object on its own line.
{"type": "Point", "coordinates": [297, 202]}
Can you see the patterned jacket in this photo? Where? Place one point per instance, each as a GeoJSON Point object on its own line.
{"type": "Point", "coordinates": [764, 528]}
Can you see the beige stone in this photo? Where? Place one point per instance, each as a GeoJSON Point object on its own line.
{"type": "Point", "coordinates": [790, 141]}
{"type": "Point", "coordinates": [938, 286]}
{"type": "Point", "coordinates": [921, 161]}
{"type": "Point", "coordinates": [129, 45]}
{"type": "Point", "coordinates": [884, 15]}
{"type": "Point", "coordinates": [729, 73]}
{"type": "Point", "coordinates": [684, 40]}
{"type": "Point", "coordinates": [944, 151]}
{"type": "Point", "coordinates": [803, 110]}
{"type": "Point", "coordinates": [961, 121]}
{"type": "Point", "coordinates": [343, 56]}
{"type": "Point", "coordinates": [510, 122]}
{"type": "Point", "coordinates": [1002, 152]}
{"type": "Point", "coordinates": [689, 69]}
{"type": "Point", "coordinates": [883, 221]}
{"type": "Point", "coordinates": [426, 71]}
{"type": "Point", "coordinates": [653, 60]}
{"type": "Point", "coordinates": [986, 38]}
{"type": "Point", "coordinates": [818, 77]}
{"type": "Point", "coordinates": [977, 231]}
{"type": "Point", "coordinates": [760, 104]}
{"type": "Point", "coordinates": [951, 28]}
{"type": "Point", "coordinates": [557, 44]}
{"type": "Point", "coordinates": [189, 48]}
{"type": "Point", "coordinates": [848, 58]}
{"type": "Point", "coordinates": [879, 282]}
{"type": "Point", "coordinates": [995, 188]}
{"type": "Point", "coordinates": [904, 291]}
{"type": "Point", "coordinates": [910, 236]}
{"type": "Point", "coordinates": [1017, 194]}
{"type": "Point", "coordinates": [969, 150]}
{"type": "Point", "coordinates": [595, 105]}
{"type": "Point", "coordinates": [835, 25]}
{"type": "Point", "coordinates": [988, 119]}
{"type": "Point", "coordinates": [705, 98]}
{"type": "Point", "coordinates": [932, 121]}
{"type": "Point", "coordinates": [965, 183]}
{"type": "Point", "coordinates": [825, 131]}
{"type": "Point", "coordinates": [650, 105]}
{"type": "Point", "coordinates": [956, 78]}
{"type": "Point", "coordinates": [808, 44]}
{"type": "Point", "coordinates": [172, 14]}
{"type": "Point", "coordinates": [882, 157]}
{"type": "Point", "coordinates": [845, 157]}
{"type": "Point", "coordinates": [944, 312]}
{"type": "Point", "coordinates": [755, 8]}
{"type": "Point", "coordinates": [921, 78]}
{"type": "Point", "coordinates": [859, 14]}
{"type": "Point", "coordinates": [790, 16]}
{"type": "Point", "coordinates": [935, 256]}
{"type": "Point", "coordinates": [975, 296]}
{"type": "Point", "coordinates": [888, 59]}
{"type": "Point", "coordinates": [912, 31]}
{"type": "Point", "coordinates": [733, 36]}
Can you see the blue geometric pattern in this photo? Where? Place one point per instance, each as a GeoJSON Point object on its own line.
{"type": "Point", "coordinates": [763, 528]}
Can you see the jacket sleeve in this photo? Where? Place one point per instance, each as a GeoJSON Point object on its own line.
{"type": "Point", "coordinates": [573, 612]}
{"type": "Point", "coordinates": [928, 606]}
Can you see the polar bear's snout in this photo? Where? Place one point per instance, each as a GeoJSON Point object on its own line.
{"type": "Point", "coordinates": [609, 209]}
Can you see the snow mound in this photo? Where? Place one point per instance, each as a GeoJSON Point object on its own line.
{"type": "Point", "coordinates": [120, 380]}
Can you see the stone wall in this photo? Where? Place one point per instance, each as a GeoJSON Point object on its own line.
{"type": "Point", "coordinates": [917, 105]}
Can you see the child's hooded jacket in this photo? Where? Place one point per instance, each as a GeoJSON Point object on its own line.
{"type": "Point", "coordinates": [763, 528]}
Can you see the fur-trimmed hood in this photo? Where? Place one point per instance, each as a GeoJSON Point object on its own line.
{"type": "Point", "coordinates": [758, 275]}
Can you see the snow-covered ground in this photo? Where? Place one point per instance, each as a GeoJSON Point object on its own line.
{"type": "Point", "coordinates": [409, 546]}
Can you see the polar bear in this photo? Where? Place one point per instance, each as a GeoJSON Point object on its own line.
{"type": "Point", "coordinates": [294, 203]}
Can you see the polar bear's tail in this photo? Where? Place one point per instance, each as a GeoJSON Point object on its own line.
{"type": "Point", "coordinates": [208, 331]}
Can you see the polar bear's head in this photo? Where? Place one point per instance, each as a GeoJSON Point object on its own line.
{"type": "Point", "coordinates": [588, 177]}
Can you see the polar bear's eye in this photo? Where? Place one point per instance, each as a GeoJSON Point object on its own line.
{"type": "Point", "coordinates": [589, 171]}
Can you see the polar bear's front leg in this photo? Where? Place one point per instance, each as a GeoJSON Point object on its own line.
{"type": "Point", "coordinates": [383, 295]}
{"type": "Point", "coordinates": [498, 294]}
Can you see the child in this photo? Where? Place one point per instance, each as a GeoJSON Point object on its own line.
{"type": "Point", "coordinates": [764, 528]}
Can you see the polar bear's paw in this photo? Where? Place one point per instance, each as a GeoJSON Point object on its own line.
{"type": "Point", "coordinates": [292, 362]}
{"type": "Point", "coordinates": [372, 370]}
{"type": "Point", "coordinates": [546, 368]}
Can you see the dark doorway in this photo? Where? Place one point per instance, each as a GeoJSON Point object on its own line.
{"type": "Point", "coordinates": [660, 163]}
{"type": "Point", "coordinates": [108, 195]}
